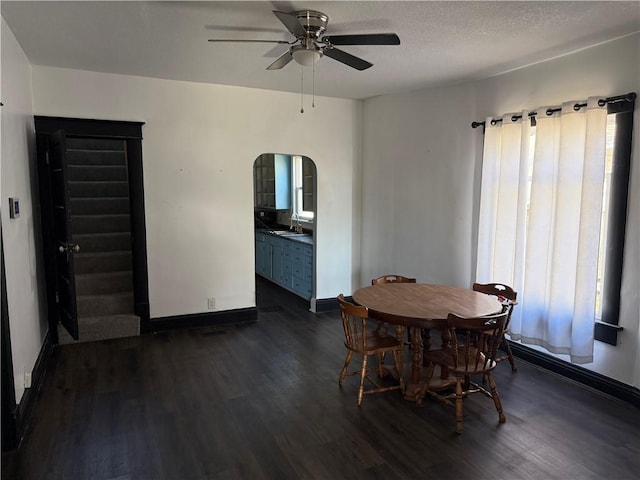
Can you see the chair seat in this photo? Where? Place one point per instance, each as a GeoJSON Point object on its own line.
{"type": "Point", "coordinates": [378, 342]}
{"type": "Point", "coordinates": [444, 357]}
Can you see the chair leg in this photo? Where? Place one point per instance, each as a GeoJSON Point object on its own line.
{"type": "Point", "coordinates": [459, 405]}
{"type": "Point", "coordinates": [343, 373]}
{"type": "Point", "coordinates": [363, 374]}
{"type": "Point", "coordinates": [398, 363]}
{"type": "Point", "coordinates": [496, 398]}
{"type": "Point", "coordinates": [507, 349]}
{"type": "Point", "coordinates": [422, 391]}
{"type": "Point", "coordinates": [380, 358]}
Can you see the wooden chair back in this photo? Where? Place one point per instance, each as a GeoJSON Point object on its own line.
{"type": "Point", "coordinates": [354, 323]}
{"type": "Point", "coordinates": [503, 292]}
{"type": "Point", "coordinates": [392, 278]}
{"type": "Point", "coordinates": [507, 296]}
{"type": "Point", "coordinates": [474, 342]}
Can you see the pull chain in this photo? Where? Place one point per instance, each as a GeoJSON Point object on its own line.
{"type": "Point", "coordinates": [313, 87]}
{"type": "Point", "coordinates": [301, 89]}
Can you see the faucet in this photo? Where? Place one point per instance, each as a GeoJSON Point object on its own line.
{"type": "Point", "coordinates": [298, 227]}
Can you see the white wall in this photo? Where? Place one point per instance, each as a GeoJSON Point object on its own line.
{"type": "Point", "coordinates": [200, 142]}
{"type": "Point", "coordinates": [421, 164]}
{"type": "Point", "coordinates": [22, 249]}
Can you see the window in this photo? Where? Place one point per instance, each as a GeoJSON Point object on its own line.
{"type": "Point", "coordinates": [552, 219]}
{"type": "Point", "coordinates": [614, 218]}
{"type": "Point", "coordinates": [303, 188]}
{"type": "Point", "coordinates": [607, 237]}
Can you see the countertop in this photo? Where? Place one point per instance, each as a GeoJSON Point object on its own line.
{"type": "Point", "coordinates": [306, 238]}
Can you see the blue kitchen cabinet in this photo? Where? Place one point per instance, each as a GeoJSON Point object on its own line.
{"type": "Point", "coordinates": [302, 275]}
{"type": "Point", "coordinates": [263, 255]}
{"type": "Point", "coordinates": [277, 247]}
{"type": "Point", "coordinates": [286, 262]}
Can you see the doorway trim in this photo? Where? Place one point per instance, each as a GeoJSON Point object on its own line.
{"type": "Point", "coordinates": [131, 133]}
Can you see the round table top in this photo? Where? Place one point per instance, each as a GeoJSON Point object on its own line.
{"type": "Point", "coordinates": [424, 305]}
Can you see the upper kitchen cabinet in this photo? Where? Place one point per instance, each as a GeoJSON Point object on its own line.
{"type": "Point", "coordinates": [272, 181]}
{"type": "Point", "coordinates": [308, 187]}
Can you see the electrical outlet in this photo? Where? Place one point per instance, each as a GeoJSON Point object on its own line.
{"type": "Point", "coordinates": [211, 303]}
{"type": "Point", "coordinates": [27, 379]}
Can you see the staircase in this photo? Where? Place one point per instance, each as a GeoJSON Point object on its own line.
{"type": "Point", "coordinates": [100, 225]}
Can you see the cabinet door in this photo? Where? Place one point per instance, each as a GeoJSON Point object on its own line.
{"type": "Point", "coordinates": [272, 181]}
{"type": "Point", "coordinates": [263, 256]}
{"type": "Point", "coordinates": [277, 259]}
{"type": "Point", "coordinates": [308, 187]}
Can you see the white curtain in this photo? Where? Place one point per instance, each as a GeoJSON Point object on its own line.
{"type": "Point", "coordinates": [539, 229]}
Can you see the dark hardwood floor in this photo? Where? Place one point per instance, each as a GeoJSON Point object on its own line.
{"type": "Point", "coordinates": [261, 401]}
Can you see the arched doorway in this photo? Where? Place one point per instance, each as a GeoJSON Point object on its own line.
{"type": "Point", "coordinates": [285, 220]}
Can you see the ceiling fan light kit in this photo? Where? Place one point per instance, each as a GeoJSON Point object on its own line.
{"type": "Point", "coordinates": [305, 56]}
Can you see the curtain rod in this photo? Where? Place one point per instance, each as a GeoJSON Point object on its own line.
{"type": "Point", "coordinates": [629, 97]}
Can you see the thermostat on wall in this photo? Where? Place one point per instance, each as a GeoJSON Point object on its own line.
{"type": "Point", "coordinates": [14, 207]}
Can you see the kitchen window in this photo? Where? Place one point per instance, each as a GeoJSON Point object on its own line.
{"type": "Point", "coordinates": [303, 188]}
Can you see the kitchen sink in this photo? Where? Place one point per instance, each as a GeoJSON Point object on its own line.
{"type": "Point", "coordinates": [289, 233]}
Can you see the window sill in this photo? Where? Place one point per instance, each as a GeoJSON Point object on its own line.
{"type": "Point", "coordinates": [607, 333]}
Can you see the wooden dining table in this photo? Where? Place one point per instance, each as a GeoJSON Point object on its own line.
{"type": "Point", "coordinates": [422, 307]}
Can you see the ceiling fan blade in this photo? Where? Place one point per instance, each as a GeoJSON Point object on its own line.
{"type": "Point", "coordinates": [228, 40]}
{"type": "Point", "coordinates": [292, 23]}
{"type": "Point", "coordinates": [347, 58]}
{"type": "Point", "coordinates": [281, 62]}
{"type": "Point", "coordinates": [364, 39]}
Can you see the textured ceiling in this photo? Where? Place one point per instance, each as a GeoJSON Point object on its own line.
{"type": "Point", "coordinates": [442, 42]}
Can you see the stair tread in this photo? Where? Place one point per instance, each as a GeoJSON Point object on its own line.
{"type": "Point", "coordinates": [103, 198]}
{"type": "Point", "coordinates": [84, 165]}
{"type": "Point", "coordinates": [102, 254]}
{"type": "Point", "coordinates": [106, 234]}
{"type": "Point", "coordinates": [115, 316]}
{"type": "Point", "coordinates": [102, 327]}
{"type": "Point", "coordinates": [102, 295]}
{"type": "Point", "coordinates": [113, 273]}
{"type": "Point", "coordinates": [97, 181]}
{"type": "Point", "coordinates": [92, 215]}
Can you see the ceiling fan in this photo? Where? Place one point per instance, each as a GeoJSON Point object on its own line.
{"type": "Point", "coordinates": [309, 46]}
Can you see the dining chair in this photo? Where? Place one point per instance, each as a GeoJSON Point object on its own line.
{"type": "Point", "coordinates": [507, 296]}
{"type": "Point", "coordinates": [393, 278]}
{"type": "Point", "coordinates": [361, 339]}
{"type": "Point", "coordinates": [472, 352]}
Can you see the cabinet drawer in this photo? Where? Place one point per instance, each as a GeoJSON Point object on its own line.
{"type": "Point", "coordinates": [302, 287]}
{"type": "Point", "coordinates": [298, 271]}
{"type": "Point", "coordinates": [287, 268]}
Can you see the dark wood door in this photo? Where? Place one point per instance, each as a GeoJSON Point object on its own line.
{"type": "Point", "coordinates": [64, 247]}
{"type": "Point", "coordinates": [53, 149]}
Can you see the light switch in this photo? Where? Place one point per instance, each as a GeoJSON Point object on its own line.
{"type": "Point", "coordinates": [14, 207]}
